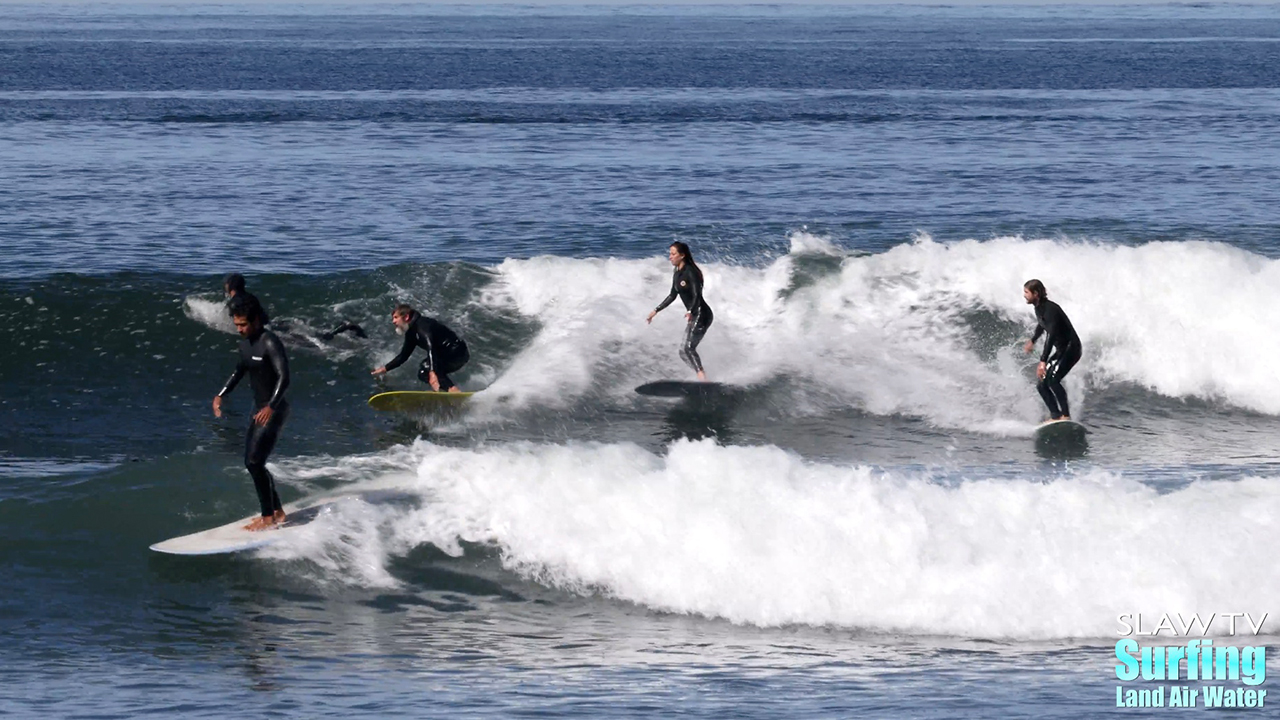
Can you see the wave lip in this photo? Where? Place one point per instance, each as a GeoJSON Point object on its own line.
{"type": "Point", "coordinates": [929, 330]}
{"type": "Point", "coordinates": [925, 329]}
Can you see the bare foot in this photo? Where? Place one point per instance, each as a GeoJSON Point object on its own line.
{"type": "Point", "coordinates": [260, 523]}
{"type": "Point", "coordinates": [278, 518]}
{"type": "Point", "coordinates": [455, 388]}
{"type": "Point", "coordinates": [702, 376]}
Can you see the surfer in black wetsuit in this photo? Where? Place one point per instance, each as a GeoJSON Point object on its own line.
{"type": "Point", "coordinates": [233, 285]}
{"type": "Point", "coordinates": [1061, 348]}
{"type": "Point", "coordinates": [686, 282]}
{"type": "Point", "coordinates": [446, 352]}
{"type": "Point", "coordinates": [262, 357]}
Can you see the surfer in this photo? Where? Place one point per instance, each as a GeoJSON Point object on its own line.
{"type": "Point", "coordinates": [262, 357]}
{"type": "Point", "coordinates": [1061, 348]}
{"type": "Point", "coordinates": [686, 281]}
{"type": "Point", "coordinates": [233, 286]}
{"type": "Point", "coordinates": [446, 352]}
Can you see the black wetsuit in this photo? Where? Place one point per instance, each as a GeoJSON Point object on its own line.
{"type": "Point", "coordinates": [446, 352]}
{"type": "Point", "coordinates": [1061, 353]}
{"type": "Point", "coordinates": [263, 358]}
{"type": "Point", "coordinates": [687, 283]}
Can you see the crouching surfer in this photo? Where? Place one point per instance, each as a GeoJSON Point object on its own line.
{"type": "Point", "coordinates": [446, 352]}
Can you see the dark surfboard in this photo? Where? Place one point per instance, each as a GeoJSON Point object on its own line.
{"type": "Point", "coordinates": [684, 389]}
{"type": "Point", "coordinates": [1062, 438]}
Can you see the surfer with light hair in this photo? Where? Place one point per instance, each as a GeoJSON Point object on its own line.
{"type": "Point", "coordinates": [446, 352]}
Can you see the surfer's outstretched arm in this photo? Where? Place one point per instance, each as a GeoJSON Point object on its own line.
{"type": "Point", "coordinates": [410, 342]}
{"type": "Point", "coordinates": [675, 291]}
{"type": "Point", "coordinates": [404, 354]}
{"type": "Point", "coordinates": [346, 326]}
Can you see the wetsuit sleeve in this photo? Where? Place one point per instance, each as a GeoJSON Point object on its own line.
{"type": "Point", "coordinates": [233, 380]}
{"type": "Point", "coordinates": [675, 290]}
{"type": "Point", "coordinates": [280, 363]}
{"type": "Point", "coordinates": [405, 351]}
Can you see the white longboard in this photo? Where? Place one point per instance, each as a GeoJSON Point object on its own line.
{"type": "Point", "coordinates": [232, 537]}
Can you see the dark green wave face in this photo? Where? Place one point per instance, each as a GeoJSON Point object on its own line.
{"type": "Point", "coordinates": [126, 365]}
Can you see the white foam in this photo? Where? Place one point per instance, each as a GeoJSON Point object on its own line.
{"type": "Point", "coordinates": [210, 313]}
{"type": "Point", "coordinates": [889, 332]}
{"type": "Point", "coordinates": [869, 336]}
{"type": "Point", "coordinates": [803, 242]}
{"type": "Point", "coordinates": [1185, 319]}
{"type": "Point", "coordinates": [756, 535]}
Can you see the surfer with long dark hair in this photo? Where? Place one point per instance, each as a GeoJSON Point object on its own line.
{"type": "Point", "coordinates": [686, 282]}
{"type": "Point", "coordinates": [1061, 348]}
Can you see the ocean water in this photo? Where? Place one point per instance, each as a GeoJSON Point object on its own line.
{"type": "Point", "coordinates": [865, 527]}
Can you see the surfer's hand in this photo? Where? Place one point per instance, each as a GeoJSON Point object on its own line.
{"type": "Point", "coordinates": [1040, 371]}
{"type": "Point", "coordinates": [433, 380]}
{"type": "Point", "coordinates": [1031, 345]}
{"type": "Point", "coordinates": [263, 416]}
{"type": "Point", "coordinates": [217, 406]}
{"type": "Point", "coordinates": [379, 370]}
{"type": "Point", "coordinates": [650, 318]}
{"type": "Point", "coordinates": [688, 316]}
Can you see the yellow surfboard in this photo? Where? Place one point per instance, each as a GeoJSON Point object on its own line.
{"type": "Point", "coordinates": [417, 400]}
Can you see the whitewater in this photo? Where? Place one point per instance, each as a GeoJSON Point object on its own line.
{"type": "Point", "coordinates": [760, 536]}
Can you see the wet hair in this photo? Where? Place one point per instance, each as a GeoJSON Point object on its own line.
{"type": "Point", "coordinates": [234, 283]}
{"type": "Point", "coordinates": [247, 307]}
{"type": "Point", "coordinates": [687, 254]}
{"type": "Point", "coordinates": [404, 309]}
{"type": "Point", "coordinates": [1036, 287]}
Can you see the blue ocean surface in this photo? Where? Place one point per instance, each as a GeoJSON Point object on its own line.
{"type": "Point", "coordinates": [865, 525]}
